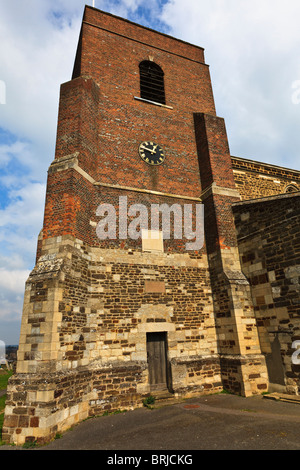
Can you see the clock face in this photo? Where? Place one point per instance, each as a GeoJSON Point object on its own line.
{"type": "Point", "coordinates": [151, 153]}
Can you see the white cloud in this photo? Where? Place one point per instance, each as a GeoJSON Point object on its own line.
{"type": "Point", "coordinates": [20, 223]}
{"type": "Point", "coordinates": [12, 286]}
{"type": "Point", "coordinates": [36, 59]}
{"type": "Point", "coordinates": [26, 207]}
{"type": "Point", "coordinates": [13, 280]}
{"type": "Point", "coordinates": [253, 52]}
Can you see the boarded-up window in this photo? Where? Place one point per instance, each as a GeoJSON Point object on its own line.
{"type": "Point", "coordinates": [152, 240]}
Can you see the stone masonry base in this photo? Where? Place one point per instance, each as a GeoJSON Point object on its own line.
{"type": "Point", "coordinates": [39, 406]}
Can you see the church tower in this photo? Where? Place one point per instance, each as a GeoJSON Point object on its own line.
{"type": "Point", "coordinates": [137, 287]}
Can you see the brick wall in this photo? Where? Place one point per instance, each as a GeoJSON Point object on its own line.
{"type": "Point", "coordinates": [256, 180]}
{"type": "Point", "coordinates": [242, 365]}
{"type": "Point", "coordinates": [268, 236]}
{"type": "Point", "coordinates": [111, 50]}
{"type": "Point", "coordinates": [90, 302]}
{"type": "Point", "coordinates": [101, 123]}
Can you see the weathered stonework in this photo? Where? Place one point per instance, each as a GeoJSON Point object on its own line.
{"type": "Point", "coordinates": [83, 345]}
{"type": "Point", "coordinates": [269, 233]}
{"type": "Point", "coordinates": [256, 180]}
{"type": "Point", "coordinates": [106, 321]}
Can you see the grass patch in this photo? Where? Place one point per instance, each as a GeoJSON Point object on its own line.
{"type": "Point", "coordinates": [4, 378]}
{"type": "Point", "coordinates": [108, 413]}
{"type": "Point", "coordinates": [148, 401]}
{"type": "Point", "coordinates": [3, 385]}
{"type": "Point", "coordinates": [2, 403]}
{"type": "Point", "coordinates": [29, 445]}
{"type": "Point", "coordinates": [2, 406]}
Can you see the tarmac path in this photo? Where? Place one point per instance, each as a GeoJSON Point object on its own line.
{"type": "Point", "coordinates": [215, 422]}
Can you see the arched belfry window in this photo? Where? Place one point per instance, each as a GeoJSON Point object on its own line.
{"type": "Point", "coordinates": [291, 188]}
{"type": "Point", "coordinates": [152, 82]}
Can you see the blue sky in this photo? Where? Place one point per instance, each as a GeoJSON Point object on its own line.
{"type": "Point", "coordinates": [252, 47]}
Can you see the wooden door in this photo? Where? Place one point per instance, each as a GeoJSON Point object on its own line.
{"type": "Point", "coordinates": [157, 360]}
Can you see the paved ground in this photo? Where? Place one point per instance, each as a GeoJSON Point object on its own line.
{"type": "Point", "coordinates": [216, 422]}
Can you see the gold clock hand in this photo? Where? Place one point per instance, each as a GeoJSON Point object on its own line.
{"type": "Point", "coordinates": [147, 148]}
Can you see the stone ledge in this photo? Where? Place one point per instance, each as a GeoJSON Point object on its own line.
{"type": "Point", "coordinates": [266, 199]}
{"type": "Point", "coordinates": [283, 397]}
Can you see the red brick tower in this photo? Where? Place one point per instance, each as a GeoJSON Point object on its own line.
{"type": "Point", "coordinates": [107, 321]}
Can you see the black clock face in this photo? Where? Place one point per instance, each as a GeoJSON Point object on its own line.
{"type": "Point", "coordinates": [151, 153]}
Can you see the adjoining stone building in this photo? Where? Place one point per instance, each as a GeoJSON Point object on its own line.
{"type": "Point", "coordinates": [107, 321]}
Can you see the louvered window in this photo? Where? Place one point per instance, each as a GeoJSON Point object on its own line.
{"type": "Point", "coordinates": [152, 82]}
{"type": "Point", "coordinates": [291, 188]}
